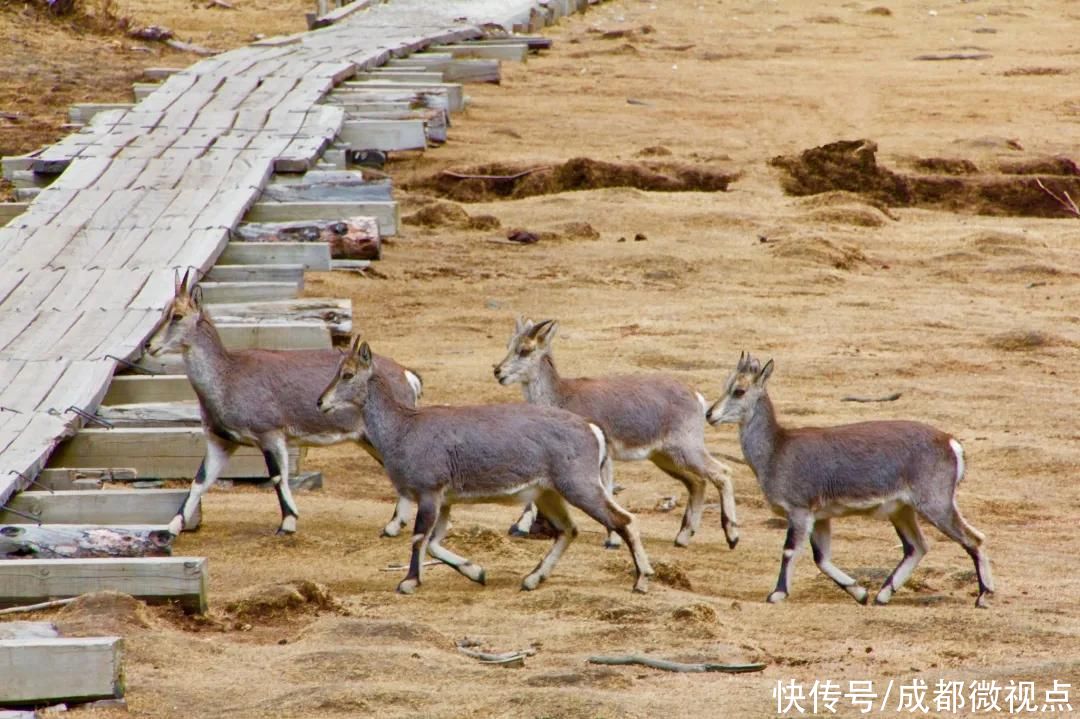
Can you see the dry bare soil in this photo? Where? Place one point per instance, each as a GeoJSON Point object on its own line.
{"type": "Point", "coordinates": [972, 318]}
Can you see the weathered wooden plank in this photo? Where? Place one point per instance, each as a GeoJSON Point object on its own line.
{"type": "Point", "coordinates": [293, 273]}
{"type": "Point", "coordinates": [399, 74]}
{"type": "Point", "coordinates": [247, 291]}
{"type": "Point", "coordinates": [151, 414]}
{"type": "Point", "coordinates": [133, 389]}
{"type": "Point", "coordinates": [84, 111]}
{"type": "Point", "coordinates": [312, 256]}
{"type": "Point", "coordinates": [454, 92]}
{"type": "Point", "coordinates": [510, 51]}
{"type": "Point", "coordinates": [80, 541]}
{"type": "Point", "coordinates": [473, 70]}
{"type": "Point", "coordinates": [276, 335]}
{"type": "Point", "coordinates": [336, 314]}
{"type": "Point", "coordinates": [163, 579]}
{"type": "Point", "coordinates": [165, 453]}
{"type": "Point", "coordinates": [82, 478]}
{"type": "Point", "coordinates": [385, 213]}
{"type": "Point", "coordinates": [385, 135]}
{"type": "Point", "coordinates": [355, 238]}
{"type": "Point", "coordinates": [44, 671]}
{"type": "Point", "coordinates": [113, 507]}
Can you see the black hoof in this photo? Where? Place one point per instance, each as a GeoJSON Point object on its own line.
{"type": "Point", "coordinates": [731, 544]}
{"type": "Point", "coordinates": [515, 532]}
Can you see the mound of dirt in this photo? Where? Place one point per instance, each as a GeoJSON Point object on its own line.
{"type": "Point", "coordinates": [818, 250]}
{"type": "Point", "coordinates": [851, 165]}
{"type": "Point", "coordinates": [672, 575]}
{"type": "Point", "coordinates": [484, 183]}
{"type": "Point", "coordinates": [104, 613]}
{"type": "Point", "coordinates": [438, 213]}
{"type": "Point", "coordinates": [277, 601]}
{"type": "Point", "coordinates": [945, 166]}
{"type": "Point", "coordinates": [1022, 340]}
{"type": "Point", "coordinates": [856, 215]}
{"type": "Point", "coordinates": [1002, 243]}
{"type": "Point", "coordinates": [696, 613]}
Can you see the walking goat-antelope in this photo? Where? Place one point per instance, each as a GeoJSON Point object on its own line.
{"type": "Point", "coordinates": [506, 453]}
{"type": "Point", "coordinates": [893, 469]}
{"type": "Point", "coordinates": [263, 398]}
{"type": "Point", "coordinates": [652, 417]}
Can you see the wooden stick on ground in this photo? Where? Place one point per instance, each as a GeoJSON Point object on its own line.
{"type": "Point", "coordinates": [515, 176]}
{"type": "Point", "coordinates": [670, 666]}
{"type": "Point", "coordinates": [38, 606]}
{"type": "Point", "coordinates": [887, 398]}
{"type": "Point", "coordinates": [1064, 199]}
{"type": "Point", "coordinates": [515, 658]}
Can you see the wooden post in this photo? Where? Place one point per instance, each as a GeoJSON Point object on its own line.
{"type": "Point", "coordinates": [214, 292]}
{"type": "Point", "coordinates": [77, 541]}
{"type": "Point", "coordinates": [41, 671]}
{"type": "Point", "coordinates": [313, 256]}
{"type": "Point", "coordinates": [385, 213]}
{"type": "Point", "coordinates": [165, 453]}
{"type": "Point", "coordinates": [127, 506]}
{"type": "Point", "coordinates": [164, 579]}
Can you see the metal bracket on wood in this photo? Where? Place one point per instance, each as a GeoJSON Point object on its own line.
{"type": "Point", "coordinates": [132, 366]}
{"type": "Point", "coordinates": [89, 417]}
{"type": "Point", "coordinates": [34, 482]}
{"type": "Point", "coordinates": [32, 518]}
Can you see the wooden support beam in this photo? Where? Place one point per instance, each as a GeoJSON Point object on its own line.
{"type": "Point", "coordinates": [454, 93]}
{"type": "Point", "coordinates": [385, 213]}
{"type": "Point", "coordinates": [434, 61]}
{"type": "Point", "coordinates": [160, 73]}
{"type": "Point", "coordinates": [276, 335]}
{"type": "Point", "coordinates": [395, 74]}
{"type": "Point", "coordinates": [10, 210]}
{"type": "Point", "coordinates": [151, 414]}
{"type": "Point", "coordinates": [82, 541]}
{"type": "Point", "coordinates": [165, 453]}
{"type": "Point", "coordinates": [336, 314]}
{"type": "Point", "coordinates": [349, 238]}
{"type": "Point", "coordinates": [312, 255]}
{"type": "Point", "coordinates": [508, 50]}
{"type": "Point", "coordinates": [473, 70]}
{"type": "Point", "coordinates": [293, 274]}
{"type": "Point", "coordinates": [82, 479]}
{"type": "Point", "coordinates": [157, 580]}
{"type": "Point", "coordinates": [47, 671]}
{"type": "Point", "coordinates": [83, 112]}
{"type": "Point", "coordinates": [141, 90]}
{"type": "Point", "coordinates": [214, 292]}
{"type": "Point", "coordinates": [131, 389]}
{"type": "Point", "coordinates": [385, 135]}
{"type": "Point", "coordinates": [349, 98]}
{"type": "Point", "coordinates": [112, 507]}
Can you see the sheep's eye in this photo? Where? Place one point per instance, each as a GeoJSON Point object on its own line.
{"type": "Point", "coordinates": [347, 376]}
{"type": "Point", "coordinates": [176, 317]}
{"type": "Point", "coordinates": [525, 351]}
{"type": "Point", "coordinates": [738, 392]}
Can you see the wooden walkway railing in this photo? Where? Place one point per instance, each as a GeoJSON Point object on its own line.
{"type": "Point", "coordinates": [88, 268]}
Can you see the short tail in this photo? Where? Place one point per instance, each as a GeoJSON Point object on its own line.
{"type": "Point", "coordinates": [958, 451]}
{"type": "Point", "coordinates": [601, 439]}
{"type": "Point", "coordinates": [416, 383]}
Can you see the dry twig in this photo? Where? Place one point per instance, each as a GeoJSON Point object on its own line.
{"type": "Point", "coordinates": [670, 666]}
{"type": "Point", "coordinates": [1064, 199]}
{"type": "Point", "coordinates": [887, 398]}
{"type": "Point", "coordinates": [38, 606]}
{"type": "Point", "coordinates": [494, 178]}
{"type": "Point", "coordinates": [515, 659]}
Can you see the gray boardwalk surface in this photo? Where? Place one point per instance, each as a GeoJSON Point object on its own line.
{"type": "Point", "coordinates": [88, 268]}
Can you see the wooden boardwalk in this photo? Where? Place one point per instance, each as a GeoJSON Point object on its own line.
{"type": "Point", "coordinates": [88, 267]}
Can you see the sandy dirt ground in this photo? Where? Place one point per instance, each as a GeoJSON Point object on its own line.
{"type": "Point", "coordinates": [972, 318]}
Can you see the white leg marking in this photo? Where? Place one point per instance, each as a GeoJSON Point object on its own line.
{"type": "Point", "coordinates": [402, 512]}
{"type": "Point", "coordinates": [601, 441]}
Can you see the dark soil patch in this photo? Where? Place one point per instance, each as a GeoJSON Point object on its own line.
{"type": "Point", "coordinates": [484, 183]}
{"type": "Point", "coordinates": [1021, 340]}
{"type": "Point", "coordinates": [852, 166]}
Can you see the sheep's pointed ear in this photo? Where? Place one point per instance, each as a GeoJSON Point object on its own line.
{"type": "Point", "coordinates": [196, 297]}
{"type": "Point", "coordinates": [764, 374]}
{"type": "Point", "coordinates": [354, 346]}
{"type": "Point", "coordinates": [545, 331]}
{"type": "Point", "coordinates": [364, 355]}
{"type": "Point", "coordinates": [179, 283]}
{"type": "Point", "coordinates": [519, 324]}
{"type": "Point", "coordinates": [741, 366]}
